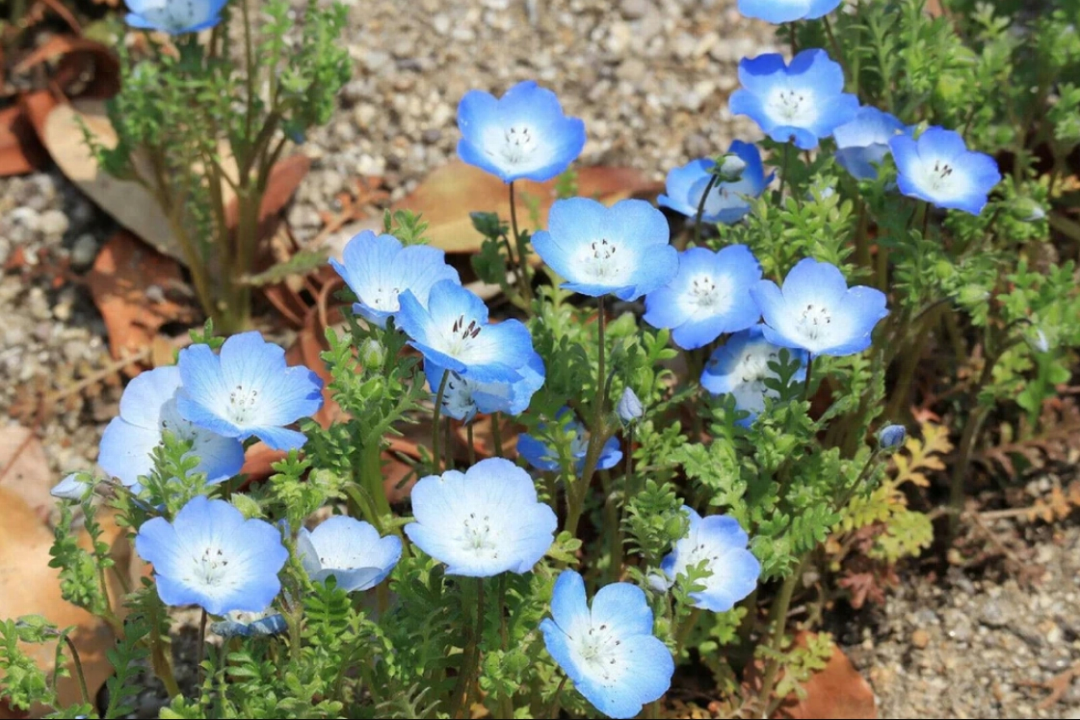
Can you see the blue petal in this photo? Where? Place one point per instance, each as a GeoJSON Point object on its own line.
{"type": "Point", "coordinates": [741, 573]}
{"type": "Point", "coordinates": [624, 608]}
{"type": "Point", "coordinates": [775, 11]}
{"type": "Point", "coordinates": [647, 678]}
{"type": "Point", "coordinates": [569, 604]}
{"type": "Point", "coordinates": [818, 71]}
{"type": "Point", "coordinates": [722, 531]}
{"type": "Point", "coordinates": [941, 143]}
{"type": "Point", "coordinates": [760, 74]}
{"type": "Point", "coordinates": [278, 438]}
{"type": "Point", "coordinates": [754, 172]}
{"type": "Point", "coordinates": [125, 450]}
{"type": "Point", "coordinates": [145, 395]}
{"type": "Point", "coordinates": [536, 453]}
{"type": "Point", "coordinates": [663, 309]}
{"type": "Point", "coordinates": [821, 8]}
{"type": "Point", "coordinates": [610, 455]}
{"type": "Point", "coordinates": [810, 281]}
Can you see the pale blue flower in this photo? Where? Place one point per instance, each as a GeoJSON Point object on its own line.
{"type": "Point", "coordinates": [175, 17]}
{"type": "Point", "coordinates": [378, 269]}
{"type": "Point", "coordinates": [211, 556]}
{"type": "Point", "coordinates": [728, 202]}
{"type": "Point", "coordinates": [629, 407]}
{"type": "Point", "coordinates": [453, 332]}
{"type": "Point", "coordinates": [544, 457]}
{"type": "Point", "coordinates": [939, 169]}
{"type": "Point", "coordinates": [892, 437]}
{"type": "Point", "coordinates": [740, 368]}
{"type": "Point", "coordinates": [621, 250]}
{"type": "Point", "coordinates": [863, 143]}
{"type": "Point", "coordinates": [350, 550]}
{"type": "Point", "coordinates": [482, 522]}
{"type": "Point", "coordinates": [250, 624]}
{"type": "Point", "coordinates": [817, 312]}
{"type": "Point", "coordinates": [802, 102]}
{"type": "Point", "coordinates": [785, 11]}
{"type": "Point", "coordinates": [709, 296]}
{"type": "Point", "coordinates": [463, 397]}
{"type": "Point", "coordinates": [71, 488]}
{"type": "Point", "coordinates": [522, 135]}
{"type": "Point", "coordinates": [720, 543]}
{"type": "Point", "coordinates": [247, 390]}
{"type": "Point", "coordinates": [149, 407]}
{"type": "Point", "coordinates": [608, 651]}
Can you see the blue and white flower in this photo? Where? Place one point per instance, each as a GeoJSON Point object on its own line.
{"type": "Point", "coordinates": [544, 457]}
{"type": "Point", "coordinates": [785, 11]}
{"type": "Point", "coordinates": [453, 333]}
{"type": "Point", "coordinates": [720, 542]}
{"type": "Point", "coordinates": [609, 650]}
{"type": "Point", "coordinates": [629, 407]}
{"type": "Point", "coordinates": [175, 17]}
{"type": "Point", "coordinates": [892, 437]}
{"type": "Point", "coordinates": [728, 202]}
{"type": "Point", "coordinates": [463, 397]}
{"type": "Point", "coordinates": [350, 550]}
{"type": "Point", "coordinates": [247, 390]}
{"type": "Point", "coordinates": [522, 135]}
{"type": "Point", "coordinates": [72, 487]}
{"type": "Point", "coordinates": [148, 408]}
{"type": "Point", "coordinates": [740, 368]}
{"type": "Point", "coordinates": [378, 269]}
{"type": "Point", "coordinates": [485, 521]}
{"type": "Point", "coordinates": [211, 556]}
{"type": "Point", "coordinates": [250, 624]}
{"type": "Point", "coordinates": [802, 102]}
{"type": "Point", "coordinates": [622, 250]}
{"type": "Point", "coordinates": [817, 312]}
{"type": "Point", "coordinates": [939, 169]}
{"type": "Point", "coordinates": [863, 143]}
{"type": "Point", "coordinates": [709, 296]}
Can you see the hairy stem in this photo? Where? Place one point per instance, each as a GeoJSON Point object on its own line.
{"type": "Point", "coordinates": [435, 455]}
{"type": "Point", "coordinates": [597, 436]}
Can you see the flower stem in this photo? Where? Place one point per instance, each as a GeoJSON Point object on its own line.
{"type": "Point", "coordinates": [596, 437]}
{"type": "Point", "coordinates": [448, 447]}
{"type": "Point", "coordinates": [684, 631]}
{"type": "Point", "coordinates": [472, 450]}
{"type": "Point", "coordinates": [496, 434]}
{"type": "Point", "coordinates": [783, 170]}
{"type": "Point", "coordinates": [78, 668]}
{"type": "Point", "coordinates": [522, 261]}
{"type": "Point", "coordinates": [809, 374]}
{"type": "Point", "coordinates": [837, 50]}
{"type": "Point", "coordinates": [470, 658]}
{"type": "Point", "coordinates": [202, 647]}
{"type": "Point", "coordinates": [435, 423]}
{"type": "Point", "coordinates": [778, 616]}
{"type": "Point", "coordinates": [506, 703]}
{"type": "Point", "coordinates": [794, 40]}
{"type": "Point", "coordinates": [553, 709]}
{"type": "Point", "coordinates": [701, 207]}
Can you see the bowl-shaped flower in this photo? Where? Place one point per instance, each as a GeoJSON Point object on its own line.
{"type": "Point", "coordinates": [740, 367]}
{"type": "Point", "coordinates": [523, 134]}
{"type": "Point", "coordinates": [350, 550]}
{"type": "Point", "coordinates": [784, 11]}
{"type": "Point", "coordinates": [863, 143]}
{"type": "Point", "coordinates": [728, 202]}
{"type": "Point", "coordinates": [609, 650]}
{"type": "Point", "coordinates": [211, 556]}
{"type": "Point", "coordinates": [621, 250]}
{"type": "Point", "coordinates": [482, 522]}
{"type": "Point", "coordinates": [802, 102]}
{"type": "Point", "coordinates": [250, 624]}
{"type": "Point", "coordinates": [939, 169]}
{"type": "Point", "coordinates": [175, 17]}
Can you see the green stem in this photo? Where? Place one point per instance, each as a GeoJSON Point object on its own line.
{"type": "Point", "coordinates": [701, 207]}
{"type": "Point", "coordinates": [249, 68]}
{"type": "Point", "coordinates": [612, 527]}
{"type": "Point", "coordinates": [522, 253]}
{"type": "Point", "coordinates": [553, 709]}
{"type": "Point", "coordinates": [783, 171]}
{"type": "Point", "coordinates": [470, 657]}
{"type": "Point", "coordinates": [496, 434]}
{"type": "Point", "coordinates": [778, 617]}
{"type": "Point", "coordinates": [685, 629]}
{"type": "Point", "coordinates": [794, 40]}
{"type": "Point", "coordinates": [837, 50]}
{"type": "Point", "coordinates": [448, 446]}
{"type": "Point", "coordinates": [862, 245]}
{"type": "Point", "coordinates": [506, 703]}
{"type": "Point", "coordinates": [809, 375]}
{"type": "Point", "coordinates": [472, 450]}
{"type": "Point", "coordinates": [78, 669]}
{"type": "Point", "coordinates": [202, 648]}
{"type": "Point", "coordinates": [371, 480]}
{"type": "Point", "coordinates": [435, 459]}
{"type": "Point", "coordinates": [972, 430]}
{"type": "Point", "coordinates": [597, 437]}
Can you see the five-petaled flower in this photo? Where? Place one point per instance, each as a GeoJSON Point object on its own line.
{"type": "Point", "coordinates": [378, 269]}
{"type": "Point", "coordinates": [720, 543]}
{"type": "Point", "coordinates": [149, 408]}
{"type": "Point", "coordinates": [939, 169]}
{"type": "Point", "coordinates": [176, 17]}
{"type": "Point", "coordinates": [622, 250]}
{"type": "Point", "coordinates": [247, 390]}
{"type": "Point", "coordinates": [453, 333]}
{"type": "Point", "coordinates": [804, 101]}
{"type": "Point", "coordinates": [544, 457]}
{"type": "Point", "coordinates": [524, 134]}
{"type": "Point", "coordinates": [728, 202]}
{"type": "Point", "coordinates": [784, 11]}
{"type": "Point", "coordinates": [817, 312]}
{"type": "Point", "coordinates": [863, 143]}
{"type": "Point", "coordinates": [211, 556]}
{"type": "Point", "coordinates": [464, 397]}
{"type": "Point", "coordinates": [482, 522]}
{"type": "Point", "coordinates": [350, 550]}
{"type": "Point", "coordinates": [709, 296]}
{"type": "Point", "coordinates": [608, 651]}
{"type": "Point", "coordinates": [740, 368]}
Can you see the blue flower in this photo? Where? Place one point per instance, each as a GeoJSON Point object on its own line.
{"type": "Point", "coordinates": [464, 397]}
{"type": "Point", "coordinates": [721, 544]}
{"type": "Point", "coordinates": [804, 101]}
{"type": "Point", "coordinates": [709, 296]}
{"type": "Point", "coordinates": [621, 250]}
{"type": "Point", "coordinates": [175, 17]}
{"type": "Point", "coordinates": [817, 312]}
{"type": "Point", "coordinates": [71, 488]}
{"type": "Point", "coordinates": [210, 556]}
{"type": "Point", "coordinates": [149, 407]}
{"type": "Point", "coordinates": [740, 368]}
{"type": "Point", "coordinates": [892, 437]}
{"type": "Point", "coordinates": [784, 11]}
{"type": "Point", "coordinates": [728, 202]}
{"type": "Point", "coordinates": [247, 390]}
{"type": "Point", "coordinates": [608, 651]}
{"type": "Point", "coordinates": [863, 143]}
{"type": "Point", "coordinates": [544, 457]}
{"type": "Point", "coordinates": [524, 134]}
{"type": "Point", "coordinates": [453, 332]}
{"type": "Point", "coordinates": [350, 550]}
{"type": "Point", "coordinates": [939, 169]}
{"type": "Point", "coordinates": [629, 407]}
{"type": "Point", "coordinates": [250, 624]}
{"type": "Point", "coordinates": [378, 269]}
{"type": "Point", "coordinates": [482, 522]}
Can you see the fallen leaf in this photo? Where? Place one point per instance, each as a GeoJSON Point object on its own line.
{"type": "Point", "coordinates": [20, 151]}
{"type": "Point", "coordinates": [284, 178]}
{"type": "Point", "coordinates": [137, 291]}
{"type": "Point", "coordinates": [839, 691]}
{"type": "Point", "coordinates": [84, 67]}
{"type": "Point", "coordinates": [24, 469]}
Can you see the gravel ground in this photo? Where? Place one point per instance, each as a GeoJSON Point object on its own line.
{"type": "Point", "coordinates": [650, 78]}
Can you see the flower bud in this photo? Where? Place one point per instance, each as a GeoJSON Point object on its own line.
{"type": "Point", "coordinates": [629, 407]}
{"type": "Point", "coordinates": [731, 168]}
{"type": "Point", "coordinates": [1040, 342]}
{"type": "Point", "coordinates": [892, 437]}
{"type": "Point", "coordinates": [70, 488]}
{"type": "Point", "coordinates": [372, 353]}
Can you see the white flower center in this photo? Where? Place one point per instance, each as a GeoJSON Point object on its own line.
{"type": "Point", "coordinates": [381, 298]}
{"type": "Point", "coordinates": [815, 321]}
{"type": "Point", "coordinates": [169, 419]}
{"type": "Point", "coordinates": [457, 400]}
{"type": "Point", "coordinates": [601, 262]}
{"type": "Point", "coordinates": [707, 296]}
{"type": "Point", "coordinates": [477, 538]}
{"type": "Point", "coordinates": [598, 649]}
{"type": "Point", "coordinates": [461, 336]}
{"type": "Point", "coordinates": [792, 105]}
{"type": "Point", "coordinates": [210, 571]}
{"type": "Point", "coordinates": [519, 144]}
{"type": "Point", "coordinates": [243, 404]}
{"type": "Point", "coordinates": [176, 15]}
{"type": "Point", "coordinates": [942, 178]}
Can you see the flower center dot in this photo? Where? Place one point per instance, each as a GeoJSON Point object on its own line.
{"type": "Point", "coordinates": [815, 321]}
{"type": "Point", "coordinates": [598, 649]}
{"type": "Point", "coordinates": [519, 143]}
{"type": "Point", "coordinates": [243, 401]}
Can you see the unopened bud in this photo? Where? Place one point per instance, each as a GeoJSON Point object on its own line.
{"type": "Point", "coordinates": [731, 168]}
{"type": "Point", "coordinates": [892, 436]}
{"type": "Point", "coordinates": [629, 407]}
{"type": "Point", "coordinates": [372, 353]}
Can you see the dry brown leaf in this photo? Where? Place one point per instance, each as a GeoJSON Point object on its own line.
{"type": "Point", "coordinates": [28, 586]}
{"type": "Point", "coordinates": [839, 691]}
{"type": "Point", "coordinates": [137, 291]}
{"type": "Point", "coordinates": [20, 151]}
{"type": "Point", "coordinates": [84, 67]}
{"type": "Point", "coordinates": [24, 469]}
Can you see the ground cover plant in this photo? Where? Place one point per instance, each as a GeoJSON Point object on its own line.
{"type": "Point", "coordinates": [705, 410]}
